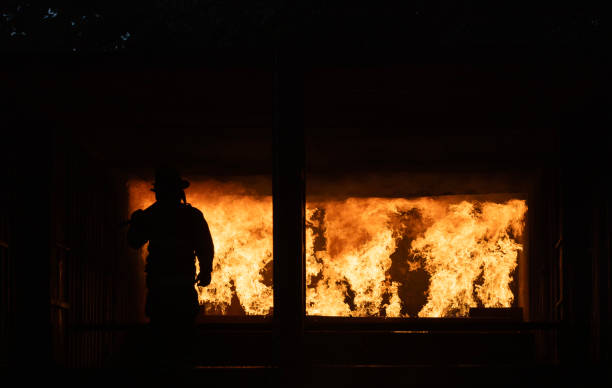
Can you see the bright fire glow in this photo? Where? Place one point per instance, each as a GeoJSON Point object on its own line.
{"type": "Point", "coordinates": [427, 257]}
{"type": "Point", "coordinates": [467, 249]}
{"type": "Point", "coordinates": [240, 223]}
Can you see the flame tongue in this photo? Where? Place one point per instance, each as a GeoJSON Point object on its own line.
{"type": "Point", "coordinates": [241, 227]}
{"type": "Point", "coordinates": [468, 249]}
{"type": "Point", "coordinates": [363, 255]}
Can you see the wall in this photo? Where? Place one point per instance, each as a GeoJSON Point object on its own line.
{"type": "Point", "coordinates": [69, 273]}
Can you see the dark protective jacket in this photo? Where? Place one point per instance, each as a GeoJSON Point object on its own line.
{"type": "Point", "coordinates": [176, 233]}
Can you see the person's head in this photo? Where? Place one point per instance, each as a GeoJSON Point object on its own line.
{"type": "Point", "coordinates": [169, 185]}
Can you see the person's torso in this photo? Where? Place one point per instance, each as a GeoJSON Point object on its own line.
{"type": "Point", "coordinates": [171, 240]}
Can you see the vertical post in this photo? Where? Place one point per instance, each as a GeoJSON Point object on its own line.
{"type": "Point", "coordinates": [288, 214]}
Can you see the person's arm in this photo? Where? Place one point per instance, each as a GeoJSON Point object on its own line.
{"type": "Point", "coordinates": [205, 250]}
{"type": "Point", "coordinates": [137, 234]}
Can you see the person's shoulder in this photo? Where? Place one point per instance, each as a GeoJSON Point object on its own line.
{"type": "Point", "coordinates": [194, 211]}
{"type": "Point", "coordinates": [152, 210]}
{"type": "Point", "coordinates": [143, 213]}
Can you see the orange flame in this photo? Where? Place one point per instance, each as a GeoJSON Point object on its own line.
{"type": "Point", "coordinates": [457, 244]}
{"type": "Point", "coordinates": [468, 250]}
{"type": "Point", "coordinates": [241, 226]}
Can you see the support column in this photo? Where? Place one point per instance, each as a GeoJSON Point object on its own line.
{"type": "Point", "coordinates": [289, 214]}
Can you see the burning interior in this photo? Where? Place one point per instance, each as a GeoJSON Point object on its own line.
{"type": "Point", "coordinates": [435, 256]}
{"type": "Point", "coordinates": [423, 257]}
{"type": "Point", "coordinates": [240, 221]}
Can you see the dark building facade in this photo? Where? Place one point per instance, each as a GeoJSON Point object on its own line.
{"type": "Point", "coordinates": [77, 132]}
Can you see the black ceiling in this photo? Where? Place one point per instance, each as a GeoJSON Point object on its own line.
{"type": "Point", "coordinates": [218, 120]}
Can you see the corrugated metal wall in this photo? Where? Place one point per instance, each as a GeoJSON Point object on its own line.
{"type": "Point", "coordinates": [545, 248]}
{"type": "Point", "coordinates": [95, 279]}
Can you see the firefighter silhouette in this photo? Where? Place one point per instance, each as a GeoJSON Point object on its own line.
{"type": "Point", "coordinates": [177, 234]}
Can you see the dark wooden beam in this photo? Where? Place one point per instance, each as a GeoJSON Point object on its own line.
{"type": "Point", "coordinates": [289, 214]}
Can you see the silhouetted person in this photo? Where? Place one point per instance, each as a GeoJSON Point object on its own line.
{"type": "Point", "coordinates": [177, 233]}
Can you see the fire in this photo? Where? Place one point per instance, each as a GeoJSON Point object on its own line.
{"type": "Point", "coordinates": [393, 257]}
{"type": "Point", "coordinates": [471, 240]}
{"type": "Point", "coordinates": [469, 250]}
{"type": "Point", "coordinates": [241, 226]}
